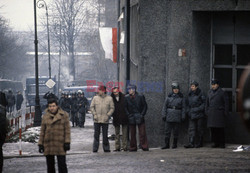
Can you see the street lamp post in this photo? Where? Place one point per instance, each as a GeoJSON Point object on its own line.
{"type": "Point", "coordinates": [42, 4]}
{"type": "Point", "coordinates": [38, 113]}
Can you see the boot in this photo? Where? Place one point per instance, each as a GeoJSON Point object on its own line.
{"type": "Point", "coordinates": [166, 146]}
{"type": "Point", "coordinates": [175, 143]}
{"type": "Point", "coordinates": [200, 143]}
{"type": "Point", "coordinates": [190, 144]}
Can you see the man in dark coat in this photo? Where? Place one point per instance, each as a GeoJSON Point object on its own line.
{"type": "Point", "coordinates": [217, 109]}
{"type": "Point", "coordinates": [120, 119]}
{"type": "Point", "coordinates": [19, 100]}
{"type": "Point", "coordinates": [196, 113]}
{"type": "Point", "coordinates": [3, 126]}
{"type": "Point", "coordinates": [74, 109]}
{"type": "Point", "coordinates": [83, 105]}
{"type": "Point", "coordinates": [11, 101]}
{"type": "Point", "coordinates": [66, 104]}
{"type": "Point", "coordinates": [136, 109]}
{"type": "Point", "coordinates": [173, 113]}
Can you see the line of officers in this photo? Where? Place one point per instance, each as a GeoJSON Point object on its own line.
{"type": "Point", "coordinates": [196, 107]}
{"type": "Point", "coordinates": [76, 105]}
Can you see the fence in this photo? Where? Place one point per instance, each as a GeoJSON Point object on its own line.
{"type": "Point", "coordinates": [20, 121]}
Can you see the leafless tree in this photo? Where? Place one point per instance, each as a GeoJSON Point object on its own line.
{"type": "Point", "coordinates": [12, 53]}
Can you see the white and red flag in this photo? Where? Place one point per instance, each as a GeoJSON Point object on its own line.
{"type": "Point", "coordinates": [108, 38]}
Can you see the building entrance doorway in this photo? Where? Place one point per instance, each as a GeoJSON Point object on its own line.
{"type": "Point", "coordinates": [230, 51]}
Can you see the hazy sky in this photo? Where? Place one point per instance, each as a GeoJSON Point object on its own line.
{"type": "Point", "coordinates": [20, 13]}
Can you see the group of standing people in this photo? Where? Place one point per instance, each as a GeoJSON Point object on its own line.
{"type": "Point", "coordinates": [76, 106]}
{"type": "Point", "coordinates": [127, 112]}
{"type": "Point", "coordinates": [13, 100]}
{"type": "Point", "coordinates": [214, 108]}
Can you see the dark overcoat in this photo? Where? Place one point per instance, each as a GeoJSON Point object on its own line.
{"type": "Point", "coordinates": [217, 106]}
{"type": "Point", "coordinates": [196, 104]}
{"type": "Point", "coordinates": [119, 115]}
{"type": "Point", "coordinates": [135, 108]}
{"type": "Point", "coordinates": [174, 108]}
{"type": "Point", "coordinates": [3, 123]}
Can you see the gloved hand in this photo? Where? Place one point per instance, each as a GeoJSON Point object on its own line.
{"type": "Point", "coordinates": [66, 146]}
{"type": "Point", "coordinates": [41, 148]}
{"type": "Point", "coordinates": [164, 118]}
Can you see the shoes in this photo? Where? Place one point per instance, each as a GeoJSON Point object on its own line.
{"type": "Point", "coordinates": [132, 150]}
{"type": "Point", "coordinates": [117, 150]}
{"type": "Point", "coordinates": [94, 151]}
{"type": "Point", "coordinates": [106, 151]}
{"type": "Point", "coordinates": [145, 149]}
{"type": "Point", "coordinates": [215, 145]}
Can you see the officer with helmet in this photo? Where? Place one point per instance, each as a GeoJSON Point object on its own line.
{"type": "Point", "coordinates": [173, 113]}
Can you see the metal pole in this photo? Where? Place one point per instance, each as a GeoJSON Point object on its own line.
{"type": "Point", "coordinates": [60, 53]}
{"type": "Point", "coordinates": [42, 4]}
{"type": "Point", "coordinates": [47, 14]}
{"type": "Point", "coordinates": [38, 113]}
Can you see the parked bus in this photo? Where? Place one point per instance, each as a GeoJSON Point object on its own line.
{"type": "Point", "coordinates": [30, 91]}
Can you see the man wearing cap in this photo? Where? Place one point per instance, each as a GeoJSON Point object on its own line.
{"type": "Point", "coordinates": [173, 113]}
{"type": "Point", "coordinates": [217, 109]}
{"type": "Point", "coordinates": [102, 107]}
{"type": "Point", "coordinates": [196, 113]}
{"type": "Point", "coordinates": [136, 109]}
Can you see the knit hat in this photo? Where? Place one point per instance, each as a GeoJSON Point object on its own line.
{"type": "Point", "coordinates": [102, 88]}
{"type": "Point", "coordinates": [131, 86]}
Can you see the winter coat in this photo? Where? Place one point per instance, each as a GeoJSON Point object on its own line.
{"type": "Point", "coordinates": [3, 122]}
{"type": "Point", "coordinates": [74, 105]}
{"type": "Point", "coordinates": [217, 107]}
{"type": "Point", "coordinates": [119, 115]}
{"type": "Point", "coordinates": [55, 132]}
{"type": "Point", "coordinates": [135, 108]}
{"type": "Point", "coordinates": [11, 99]}
{"type": "Point", "coordinates": [102, 107]}
{"type": "Point", "coordinates": [174, 108]}
{"type": "Point", "coordinates": [19, 100]}
{"type": "Point", "coordinates": [196, 104]}
{"type": "Point", "coordinates": [83, 104]}
{"type": "Point", "coordinates": [66, 104]}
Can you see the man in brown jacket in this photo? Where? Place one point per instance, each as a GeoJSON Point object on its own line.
{"type": "Point", "coordinates": [102, 107]}
{"type": "Point", "coordinates": [55, 136]}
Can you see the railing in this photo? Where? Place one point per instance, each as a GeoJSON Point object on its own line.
{"type": "Point", "coordinates": [20, 121]}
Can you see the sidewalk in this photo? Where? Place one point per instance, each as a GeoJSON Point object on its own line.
{"type": "Point", "coordinates": [81, 142]}
{"type": "Point", "coordinates": [81, 158]}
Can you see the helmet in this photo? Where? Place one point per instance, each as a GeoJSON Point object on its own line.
{"type": "Point", "coordinates": [79, 91]}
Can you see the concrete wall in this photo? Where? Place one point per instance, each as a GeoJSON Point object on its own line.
{"type": "Point", "coordinates": [165, 26]}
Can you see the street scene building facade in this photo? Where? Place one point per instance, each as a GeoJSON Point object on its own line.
{"type": "Point", "coordinates": [174, 40]}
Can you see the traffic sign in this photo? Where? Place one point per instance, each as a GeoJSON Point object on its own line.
{"type": "Point", "coordinates": [50, 83]}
